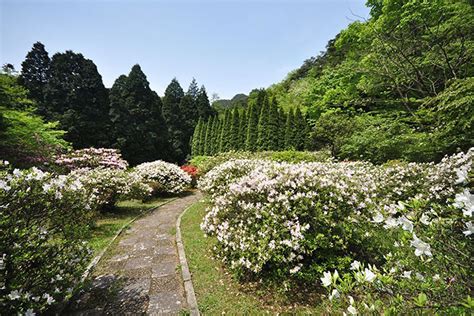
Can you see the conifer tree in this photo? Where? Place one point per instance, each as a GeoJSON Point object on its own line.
{"type": "Point", "coordinates": [234, 130]}
{"type": "Point", "coordinates": [202, 137]}
{"type": "Point", "coordinates": [242, 130]}
{"type": "Point", "coordinates": [300, 130]}
{"type": "Point", "coordinates": [204, 108]}
{"type": "Point", "coordinates": [208, 137]}
{"type": "Point", "coordinates": [173, 118]}
{"type": "Point", "coordinates": [262, 140]}
{"type": "Point", "coordinates": [252, 130]}
{"type": "Point", "coordinates": [289, 131]}
{"type": "Point", "coordinates": [282, 129]}
{"type": "Point", "coordinates": [272, 127]}
{"type": "Point", "coordinates": [138, 127]}
{"type": "Point", "coordinates": [195, 140]}
{"type": "Point", "coordinates": [215, 133]}
{"type": "Point", "coordinates": [187, 108]}
{"type": "Point", "coordinates": [35, 74]}
{"type": "Point", "coordinates": [76, 97]}
{"type": "Point", "coordinates": [225, 133]}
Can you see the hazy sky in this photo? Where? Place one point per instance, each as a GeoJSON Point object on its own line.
{"type": "Point", "coordinates": [230, 46]}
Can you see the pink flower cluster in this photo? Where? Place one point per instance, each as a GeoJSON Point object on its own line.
{"type": "Point", "coordinates": [92, 158]}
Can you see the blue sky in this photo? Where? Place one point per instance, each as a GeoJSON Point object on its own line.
{"type": "Point", "coordinates": [230, 46]}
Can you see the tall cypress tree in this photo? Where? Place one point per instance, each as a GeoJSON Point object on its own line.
{"type": "Point", "coordinates": [195, 146]}
{"type": "Point", "coordinates": [173, 118]}
{"type": "Point", "coordinates": [208, 137]}
{"type": "Point", "coordinates": [242, 130]}
{"type": "Point", "coordinates": [138, 127]}
{"type": "Point", "coordinates": [272, 127]}
{"type": "Point", "coordinates": [202, 138]}
{"type": "Point", "coordinates": [281, 129]}
{"type": "Point", "coordinates": [262, 140]}
{"type": "Point", "coordinates": [187, 108]}
{"type": "Point", "coordinates": [252, 130]}
{"type": "Point", "coordinates": [225, 132]}
{"type": "Point", "coordinates": [289, 131]}
{"type": "Point", "coordinates": [300, 130]}
{"type": "Point", "coordinates": [77, 98]}
{"type": "Point", "coordinates": [35, 74]}
{"type": "Point", "coordinates": [234, 130]}
{"type": "Point", "coordinates": [215, 133]}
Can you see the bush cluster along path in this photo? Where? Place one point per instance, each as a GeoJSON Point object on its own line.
{"type": "Point", "coordinates": [141, 273]}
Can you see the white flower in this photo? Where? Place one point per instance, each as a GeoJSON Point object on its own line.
{"type": "Point", "coordinates": [378, 218]}
{"type": "Point", "coordinates": [355, 265]}
{"type": "Point", "coordinates": [425, 219]}
{"type": "Point", "coordinates": [462, 174]}
{"type": "Point", "coordinates": [369, 276]}
{"type": "Point", "coordinates": [30, 312]}
{"type": "Point", "coordinates": [470, 229]}
{"type": "Point", "coordinates": [436, 277]}
{"type": "Point", "coordinates": [14, 295]}
{"type": "Point", "coordinates": [326, 279]}
{"type": "Point", "coordinates": [334, 294]}
{"type": "Point", "coordinates": [465, 201]}
{"type": "Point", "coordinates": [49, 299]}
{"type": "Point", "coordinates": [421, 248]}
{"type": "Point", "coordinates": [352, 310]}
{"type": "Point", "coordinates": [4, 186]}
{"type": "Point", "coordinates": [406, 223]}
{"type": "Point", "coordinates": [406, 274]}
{"type": "Point", "coordinates": [295, 269]}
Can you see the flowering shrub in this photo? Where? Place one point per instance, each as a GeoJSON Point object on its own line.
{"type": "Point", "coordinates": [110, 185]}
{"type": "Point", "coordinates": [164, 177]}
{"type": "Point", "coordinates": [378, 237]}
{"type": "Point", "coordinates": [43, 219]}
{"type": "Point", "coordinates": [192, 171]}
{"type": "Point", "coordinates": [92, 158]}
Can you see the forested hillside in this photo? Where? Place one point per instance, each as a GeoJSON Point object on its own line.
{"type": "Point", "coordinates": [397, 86]}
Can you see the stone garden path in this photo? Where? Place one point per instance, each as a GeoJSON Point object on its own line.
{"type": "Point", "coordinates": [142, 273]}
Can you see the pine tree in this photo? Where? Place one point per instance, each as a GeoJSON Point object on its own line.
{"type": "Point", "coordinates": [289, 131]}
{"type": "Point", "coordinates": [262, 140]}
{"type": "Point", "coordinates": [173, 118]}
{"type": "Point", "coordinates": [252, 130]}
{"type": "Point", "coordinates": [242, 130]}
{"type": "Point", "coordinates": [272, 127]}
{"type": "Point", "coordinates": [234, 130]}
{"type": "Point", "coordinates": [138, 127]}
{"type": "Point", "coordinates": [76, 97]}
{"type": "Point", "coordinates": [187, 108]}
{"type": "Point", "coordinates": [193, 90]}
{"type": "Point", "coordinates": [35, 74]}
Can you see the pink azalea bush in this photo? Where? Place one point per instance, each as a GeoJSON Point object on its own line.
{"type": "Point", "coordinates": [92, 158]}
{"type": "Point", "coordinates": [376, 238]}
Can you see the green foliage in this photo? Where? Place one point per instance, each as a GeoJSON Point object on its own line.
{"type": "Point", "coordinates": [35, 72]}
{"type": "Point", "coordinates": [173, 118]}
{"type": "Point", "coordinates": [139, 130]}
{"type": "Point", "coordinates": [12, 94]}
{"type": "Point", "coordinates": [76, 97]}
{"type": "Point", "coordinates": [26, 140]}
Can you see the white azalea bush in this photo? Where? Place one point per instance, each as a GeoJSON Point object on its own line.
{"type": "Point", "coordinates": [111, 185]}
{"type": "Point", "coordinates": [163, 177]}
{"type": "Point", "coordinates": [377, 238]}
{"type": "Point", "coordinates": [43, 220]}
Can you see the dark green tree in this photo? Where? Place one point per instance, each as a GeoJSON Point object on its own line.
{"type": "Point", "coordinates": [139, 129]}
{"type": "Point", "coordinates": [173, 118]}
{"type": "Point", "coordinates": [273, 126]}
{"type": "Point", "coordinates": [234, 130]}
{"type": "Point", "coordinates": [289, 131]}
{"type": "Point", "coordinates": [252, 129]}
{"type": "Point", "coordinates": [195, 145]}
{"type": "Point", "coordinates": [242, 130]}
{"type": "Point", "coordinates": [35, 73]}
{"type": "Point", "coordinates": [208, 137]}
{"type": "Point", "coordinates": [77, 98]}
{"type": "Point", "coordinates": [203, 106]}
{"type": "Point", "coordinates": [262, 140]}
{"type": "Point", "coordinates": [225, 137]}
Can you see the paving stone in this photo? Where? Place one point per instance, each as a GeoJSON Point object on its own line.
{"type": "Point", "coordinates": [141, 277]}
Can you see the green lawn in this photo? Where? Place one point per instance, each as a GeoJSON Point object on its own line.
{"type": "Point", "coordinates": [109, 223]}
